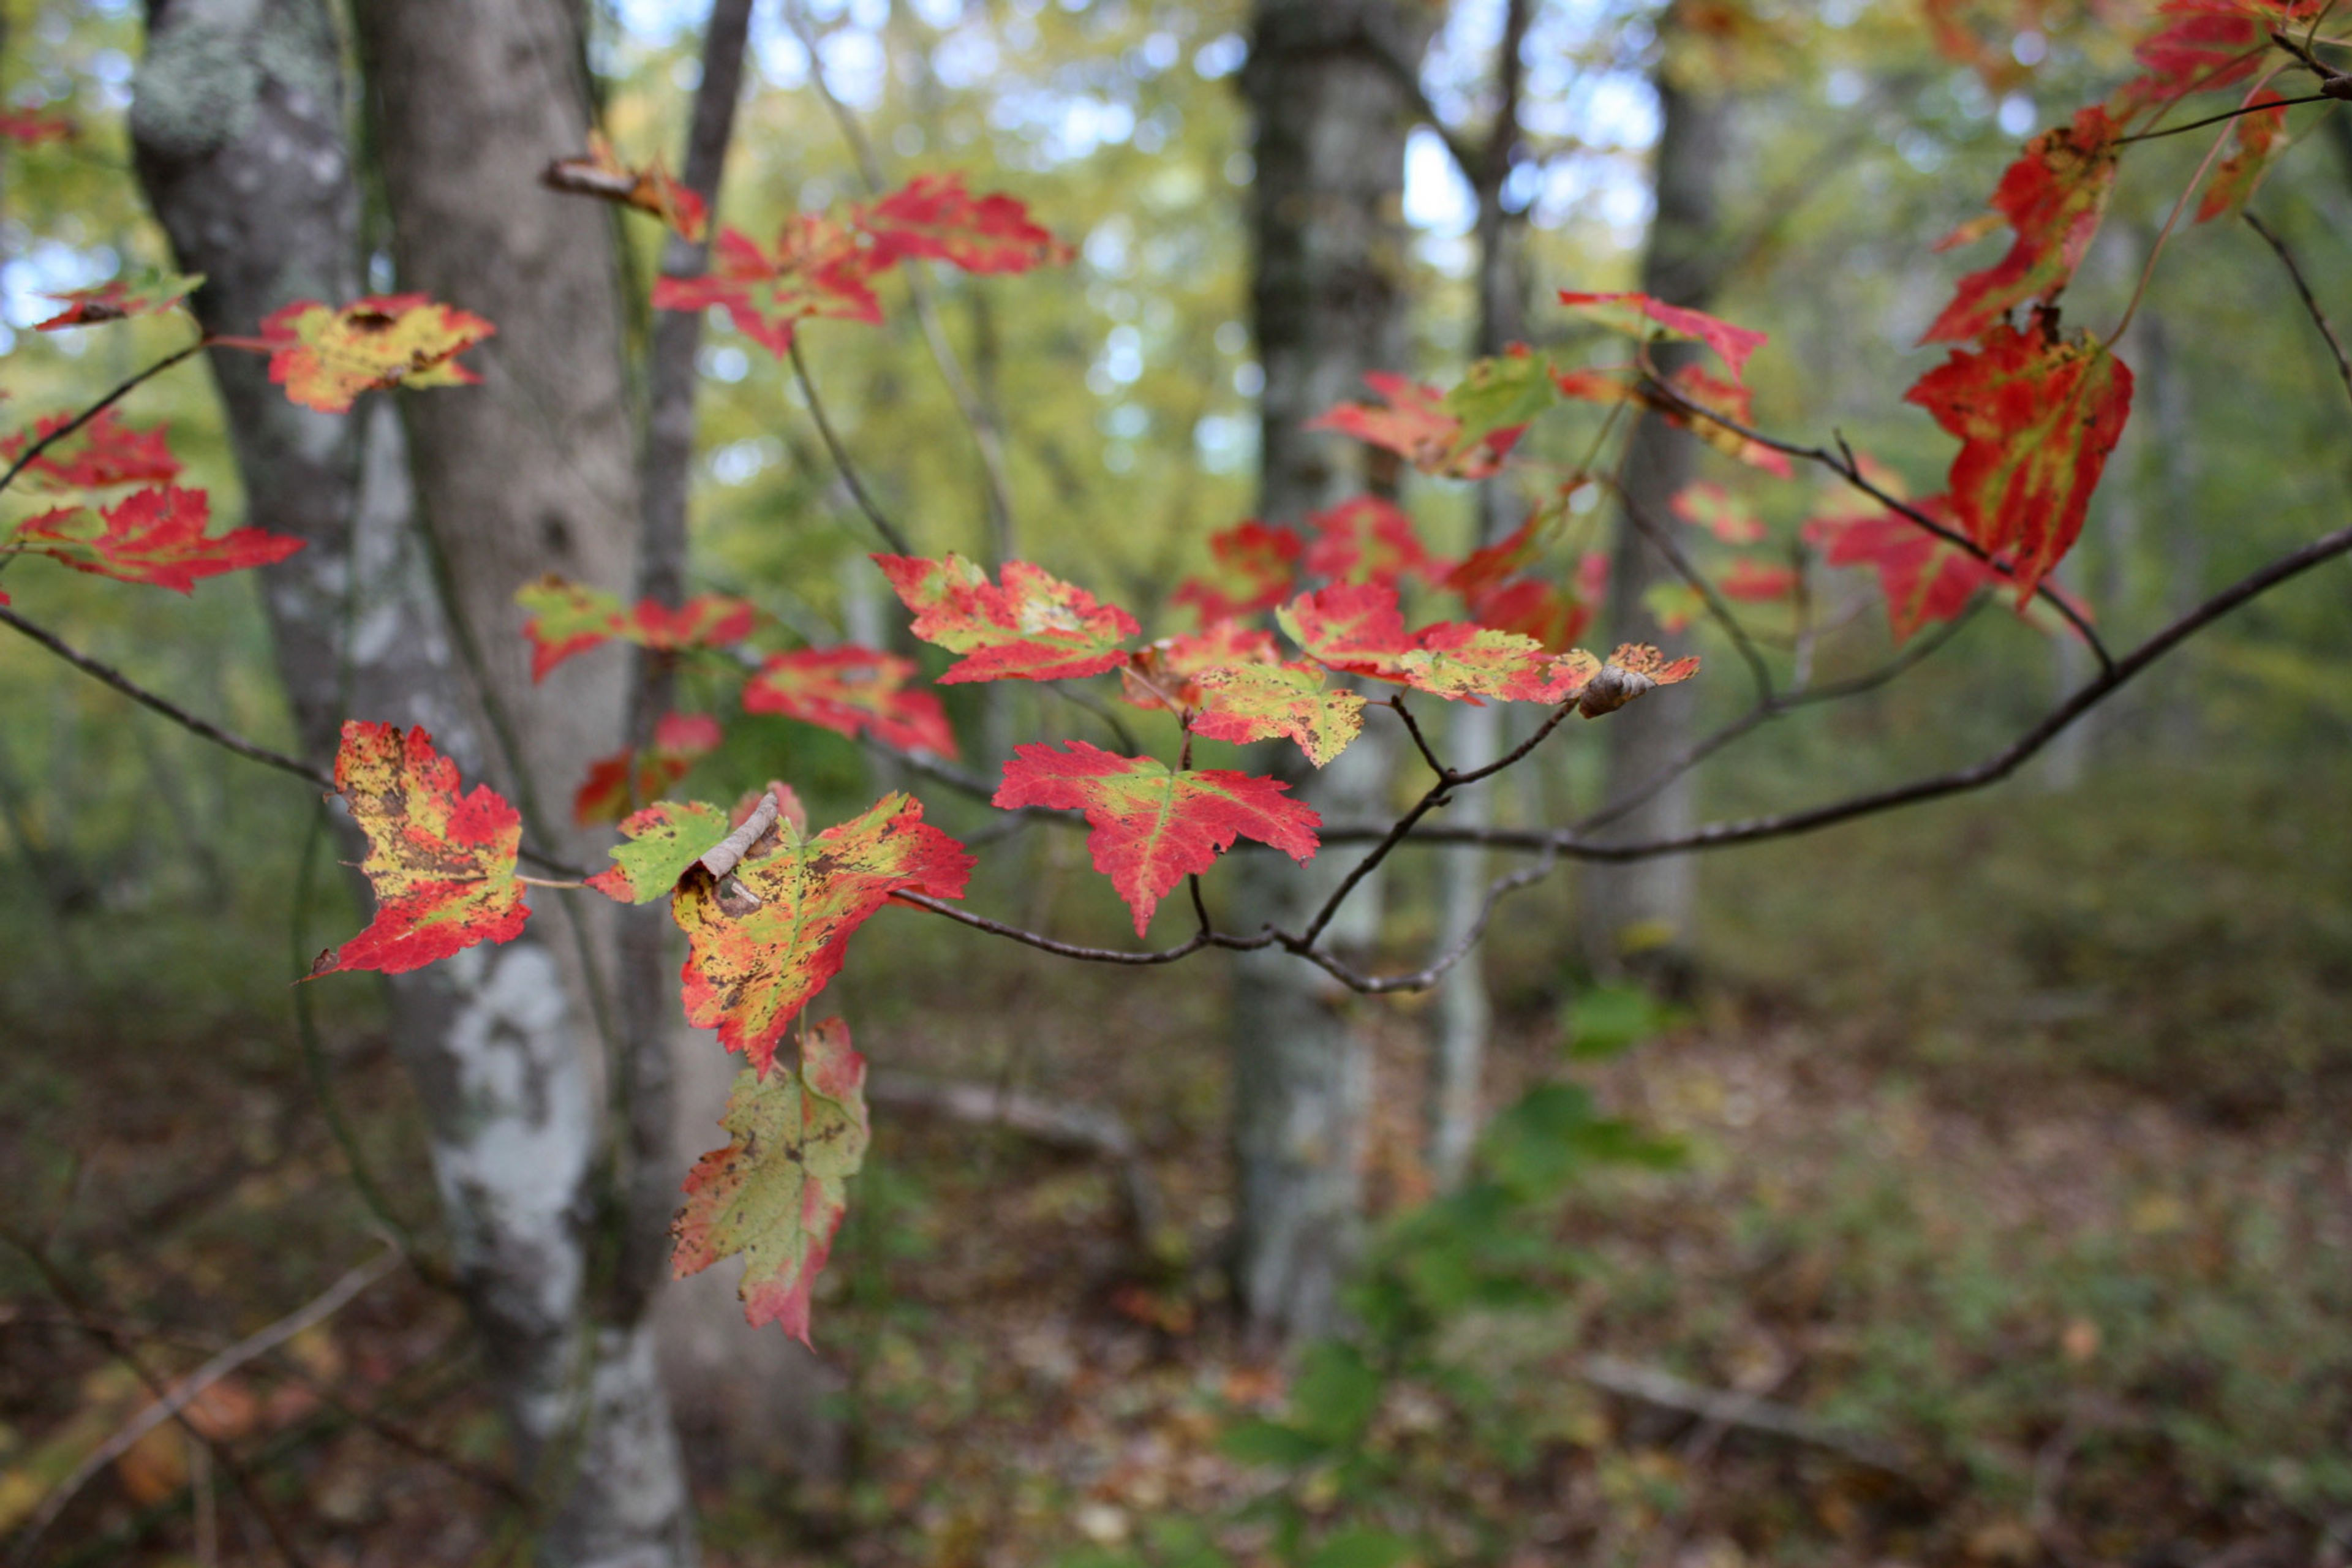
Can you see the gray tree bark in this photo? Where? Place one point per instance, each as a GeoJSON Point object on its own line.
{"type": "Point", "coordinates": [1639, 913]}
{"type": "Point", "coordinates": [239, 129]}
{"type": "Point", "coordinates": [1328, 304]}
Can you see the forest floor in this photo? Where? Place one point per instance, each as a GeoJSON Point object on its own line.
{"type": "Point", "coordinates": [2071, 1312]}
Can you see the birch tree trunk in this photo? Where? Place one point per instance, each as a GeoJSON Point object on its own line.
{"type": "Point", "coordinates": [239, 126]}
{"type": "Point", "coordinates": [1328, 304]}
{"type": "Point", "coordinates": [1639, 913]}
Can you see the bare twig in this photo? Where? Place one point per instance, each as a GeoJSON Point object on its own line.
{"type": "Point", "coordinates": [189, 1388]}
{"type": "Point", "coordinates": [1747, 1412]}
{"type": "Point", "coordinates": [841, 463]}
{"type": "Point", "coordinates": [2318, 317]}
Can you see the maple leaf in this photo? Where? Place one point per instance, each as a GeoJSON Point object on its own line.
{"type": "Point", "coordinates": [325, 357]}
{"type": "Point", "coordinates": [1639, 316]}
{"type": "Point", "coordinates": [1255, 568]}
{"type": "Point", "coordinates": [1712, 507]}
{"type": "Point", "coordinates": [1151, 827]}
{"type": "Point", "coordinates": [568, 618]}
{"type": "Point", "coordinates": [2053, 196]}
{"type": "Point", "coordinates": [1418, 426]}
{"type": "Point", "coordinates": [1360, 630]}
{"type": "Point", "coordinates": [647, 189]}
{"type": "Point", "coordinates": [1370, 539]}
{"type": "Point", "coordinates": [1258, 701]}
{"type": "Point", "coordinates": [933, 216]}
{"type": "Point", "coordinates": [819, 268]}
{"type": "Point", "coordinates": [1756, 582]}
{"type": "Point", "coordinates": [31, 127]}
{"type": "Point", "coordinates": [103, 453]}
{"type": "Point", "coordinates": [1499, 397]}
{"type": "Point", "coordinates": [2201, 44]}
{"type": "Point", "coordinates": [2261, 137]}
{"type": "Point", "coordinates": [776, 1193]}
{"type": "Point", "coordinates": [766, 939]}
{"type": "Point", "coordinates": [660, 842]}
{"type": "Point", "coordinates": [442, 864]}
{"type": "Point", "coordinates": [852, 691]}
{"type": "Point", "coordinates": [1923, 578]}
{"type": "Point", "coordinates": [1161, 675]}
{"type": "Point", "coordinates": [1033, 627]}
{"type": "Point", "coordinates": [153, 536]}
{"type": "Point", "coordinates": [609, 794]}
{"type": "Point", "coordinates": [1496, 596]}
{"type": "Point", "coordinates": [2037, 415]}
{"type": "Point", "coordinates": [148, 294]}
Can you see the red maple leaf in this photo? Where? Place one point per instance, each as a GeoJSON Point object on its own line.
{"type": "Point", "coordinates": [1151, 825]}
{"type": "Point", "coordinates": [31, 127]}
{"type": "Point", "coordinates": [1644, 317]}
{"type": "Point", "coordinates": [326, 357]}
{"type": "Point", "coordinates": [2200, 45]}
{"type": "Point", "coordinates": [609, 793]}
{"type": "Point", "coordinates": [1254, 568]}
{"type": "Point", "coordinates": [933, 216]}
{"type": "Point", "coordinates": [1358, 629]}
{"type": "Point", "coordinates": [147, 294]}
{"type": "Point", "coordinates": [568, 618]}
{"type": "Point", "coordinates": [1163, 674]}
{"type": "Point", "coordinates": [2261, 137]}
{"type": "Point", "coordinates": [768, 938]}
{"type": "Point", "coordinates": [1418, 426]}
{"type": "Point", "coordinates": [1757, 583]}
{"type": "Point", "coordinates": [819, 268]}
{"type": "Point", "coordinates": [1498, 594]}
{"type": "Point", "coordinates": [1370, 539]}
{"type": "Point", "coordinates": [442, 864]}
{"type": "Point", "coordinates": [1925, 578]}
{"type": "Point", "coordinates": [152, 536]}
{"type": "Point", "coordinates": [2037, 415]}
{"type": "Point", "coordinates": [101, 455]}
{"type": "Point", "coordinates": [777, 1192]}
{"type": "Point", "coordinates": [853, 691]}
{"type": "Point", "coordinates": [1033, 627]}
{"type": "Point", "coordinates": [2054, 197]}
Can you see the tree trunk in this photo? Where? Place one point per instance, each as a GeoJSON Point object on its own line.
{"type": "Point", "coordinates": [240, 132]}
{"type": "Point", "coordinates": [1638, 915]}
{"type": "Point", "coordinates": [1328, 304]}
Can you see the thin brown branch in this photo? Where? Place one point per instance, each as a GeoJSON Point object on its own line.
{"type": "Point", "coordinates": [25, 458]}
{"type": "Point", "coordinates": [2217, 119]}
{"type": "Point", "coordinates": [1186, 949]}
{"type": "Point", "coordinates": [1429, 974]}
{"type": "Point", "coordinates": [2318, 317]}
{"type": "Point", "coordinates": [186, 1391]}
{"type": "Point", "coordinates": [1843, 464]}
{"type": "Point", "coordinates": [841, 463]}
{"type": "Point", "coordinates": [115, 1345]}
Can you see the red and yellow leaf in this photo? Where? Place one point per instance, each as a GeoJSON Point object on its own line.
{"type": "Point", "coordinates": [657, 845]}
{"type": "Point", "coordinates": [776, 1193]}
{"type": "Point", "coordinates": [103, 454]}
{"type": "Point", "coordinates": [1163, 675]}
{"type": "Point", "coordinates": [1639, 316]}
{"type": "Point", "coordinates": [442, 864]}
{"type": "Point", "coordinates": [2201, 44]}
{"type": "Point", "coordinates": [31, 127]}
{"type": "Point", "coordinates": [1151, 825]}
{"type": "Point", "coordinates": [2261, 137]}
{"type": "Point", "coordinates": [853, 691]}
{"type": "Point", "coordinates": [148, 294]}
{"type": "Point", "coordinates": [767, 938]}
{"type": "Point", "coordinates": [648, 188]}
{"type": "Point", "coordinates": [1360, 630]}
{"type": "Point", "coordinates": [934, 218]}
{"type": "Point", "coordinates": [1259, 701]}
{"type": "Point", "coordinates": [1033, 627]}
{"type": "Point", "coordinates": [2054, 197]}
{"type": "Point", "coordinates": [1925, 578]}
{"type": "Point", "coordinates": [1710, 506]}
{"type": "Point", "coordinates": [1757, 583]}
{"type": "Point", "coordinates": [1370, 539]}
{"type": "Point", "coordinates": [608, 794]}
{"type": "Point", "coordinates": [819, 268]}
{"type": "Point", "coordinates": [2036, 415]}
{"type": "Point", "coordinates": [153, 536]}
{"type": "Point", "coordinates": [1417, 424]}
{"type": "Point", "coordinates": [325, 357]}
{"type": "Point", "coordinates": [567, 617]}
{"type": "Point", "coordinates": [1254, 568]}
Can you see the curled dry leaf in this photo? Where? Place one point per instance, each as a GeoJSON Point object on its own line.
{"type": "Point", "coordinates": [145, 294]}
{"type": "Point", "coordinates": [648, 188]}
